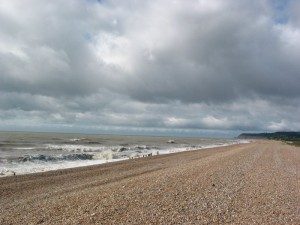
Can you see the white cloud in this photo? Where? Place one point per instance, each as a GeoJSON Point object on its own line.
{"type": "Point", "coordinates": [212, 122]}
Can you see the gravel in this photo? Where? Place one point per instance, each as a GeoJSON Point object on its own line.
{"type": "Point", "coordinates": [256, 183]}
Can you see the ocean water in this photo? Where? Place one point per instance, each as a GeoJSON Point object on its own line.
{"type": "Point", "coordinates": [24, 152]}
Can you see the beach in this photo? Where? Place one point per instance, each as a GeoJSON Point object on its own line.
{"type": "Point", "coordinates": [255, 183]}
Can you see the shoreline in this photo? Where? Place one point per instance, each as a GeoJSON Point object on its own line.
{"type": "Point", "coordinates": [218, 185]}
{"type": "Point", "coordinates": [83, 163]}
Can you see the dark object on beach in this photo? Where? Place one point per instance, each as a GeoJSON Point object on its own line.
{"type": "Point", "coordinates": [213, 185]}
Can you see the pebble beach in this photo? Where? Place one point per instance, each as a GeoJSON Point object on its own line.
{"type": "Point", "coordinates": [255, 183]}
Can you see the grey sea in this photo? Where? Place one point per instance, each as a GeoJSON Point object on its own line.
{"type": "Point", "coordinates": [25, 152]}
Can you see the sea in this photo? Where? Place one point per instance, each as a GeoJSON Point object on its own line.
{"type": "Point", "coordinates": [27, 152]}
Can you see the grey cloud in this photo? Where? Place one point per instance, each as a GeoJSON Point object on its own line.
{"type": "Point", "coordinates": [220, 57]}
{"type": "Point", "coordinates": [226, 65]}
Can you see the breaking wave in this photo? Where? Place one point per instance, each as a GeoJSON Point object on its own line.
{"type": "Point", "coordinates": [46, 158]}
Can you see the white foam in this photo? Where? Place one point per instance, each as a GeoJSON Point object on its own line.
{"type": "Point", "coordinates": [81, 148]}
{"type": "Point", "coordinates": [104, 155]}
{"type": "Point", "coordinates": [35, 167]}
{"type": "Point", "coordinates": [24, 148]}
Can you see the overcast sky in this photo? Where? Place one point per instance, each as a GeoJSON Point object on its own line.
{"type": "Point", "coordinates": [206, 67]}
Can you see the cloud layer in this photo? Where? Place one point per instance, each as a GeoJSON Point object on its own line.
{"type": "Point", "coordinates": [217, 65]}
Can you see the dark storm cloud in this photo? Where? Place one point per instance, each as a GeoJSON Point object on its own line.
{"type": "Point", "coordinates": [161, 64]}
{"type": "Point", "coordinates": [218, 56]}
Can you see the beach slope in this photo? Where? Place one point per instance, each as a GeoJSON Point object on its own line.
{"type": "Point", "coordinates": [256, 183]}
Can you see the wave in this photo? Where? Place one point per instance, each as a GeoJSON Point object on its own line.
{"type": "Point", "coordinates": [74, 148]}
{"type": "Point", "coordinates": [47, 158]}
{"type": "Point", "coordinates": [98, 148]}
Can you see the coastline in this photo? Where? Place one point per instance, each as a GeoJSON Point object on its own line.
{"type": "Point", "coordinates": [59, 165]}
{"type": "Point", "coordinates": [216, 185]}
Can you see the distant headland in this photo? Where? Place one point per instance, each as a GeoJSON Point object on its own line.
{"type": "Point", "coordinates": [289, 137]}
{"type": "Point", "coordinates": [276, 135]}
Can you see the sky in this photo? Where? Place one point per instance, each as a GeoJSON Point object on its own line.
{"type": "Point", "coordinates": [180, 67]}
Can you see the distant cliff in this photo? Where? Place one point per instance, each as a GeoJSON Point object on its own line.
{"type": "Point", "coordinates": [288, 136]}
